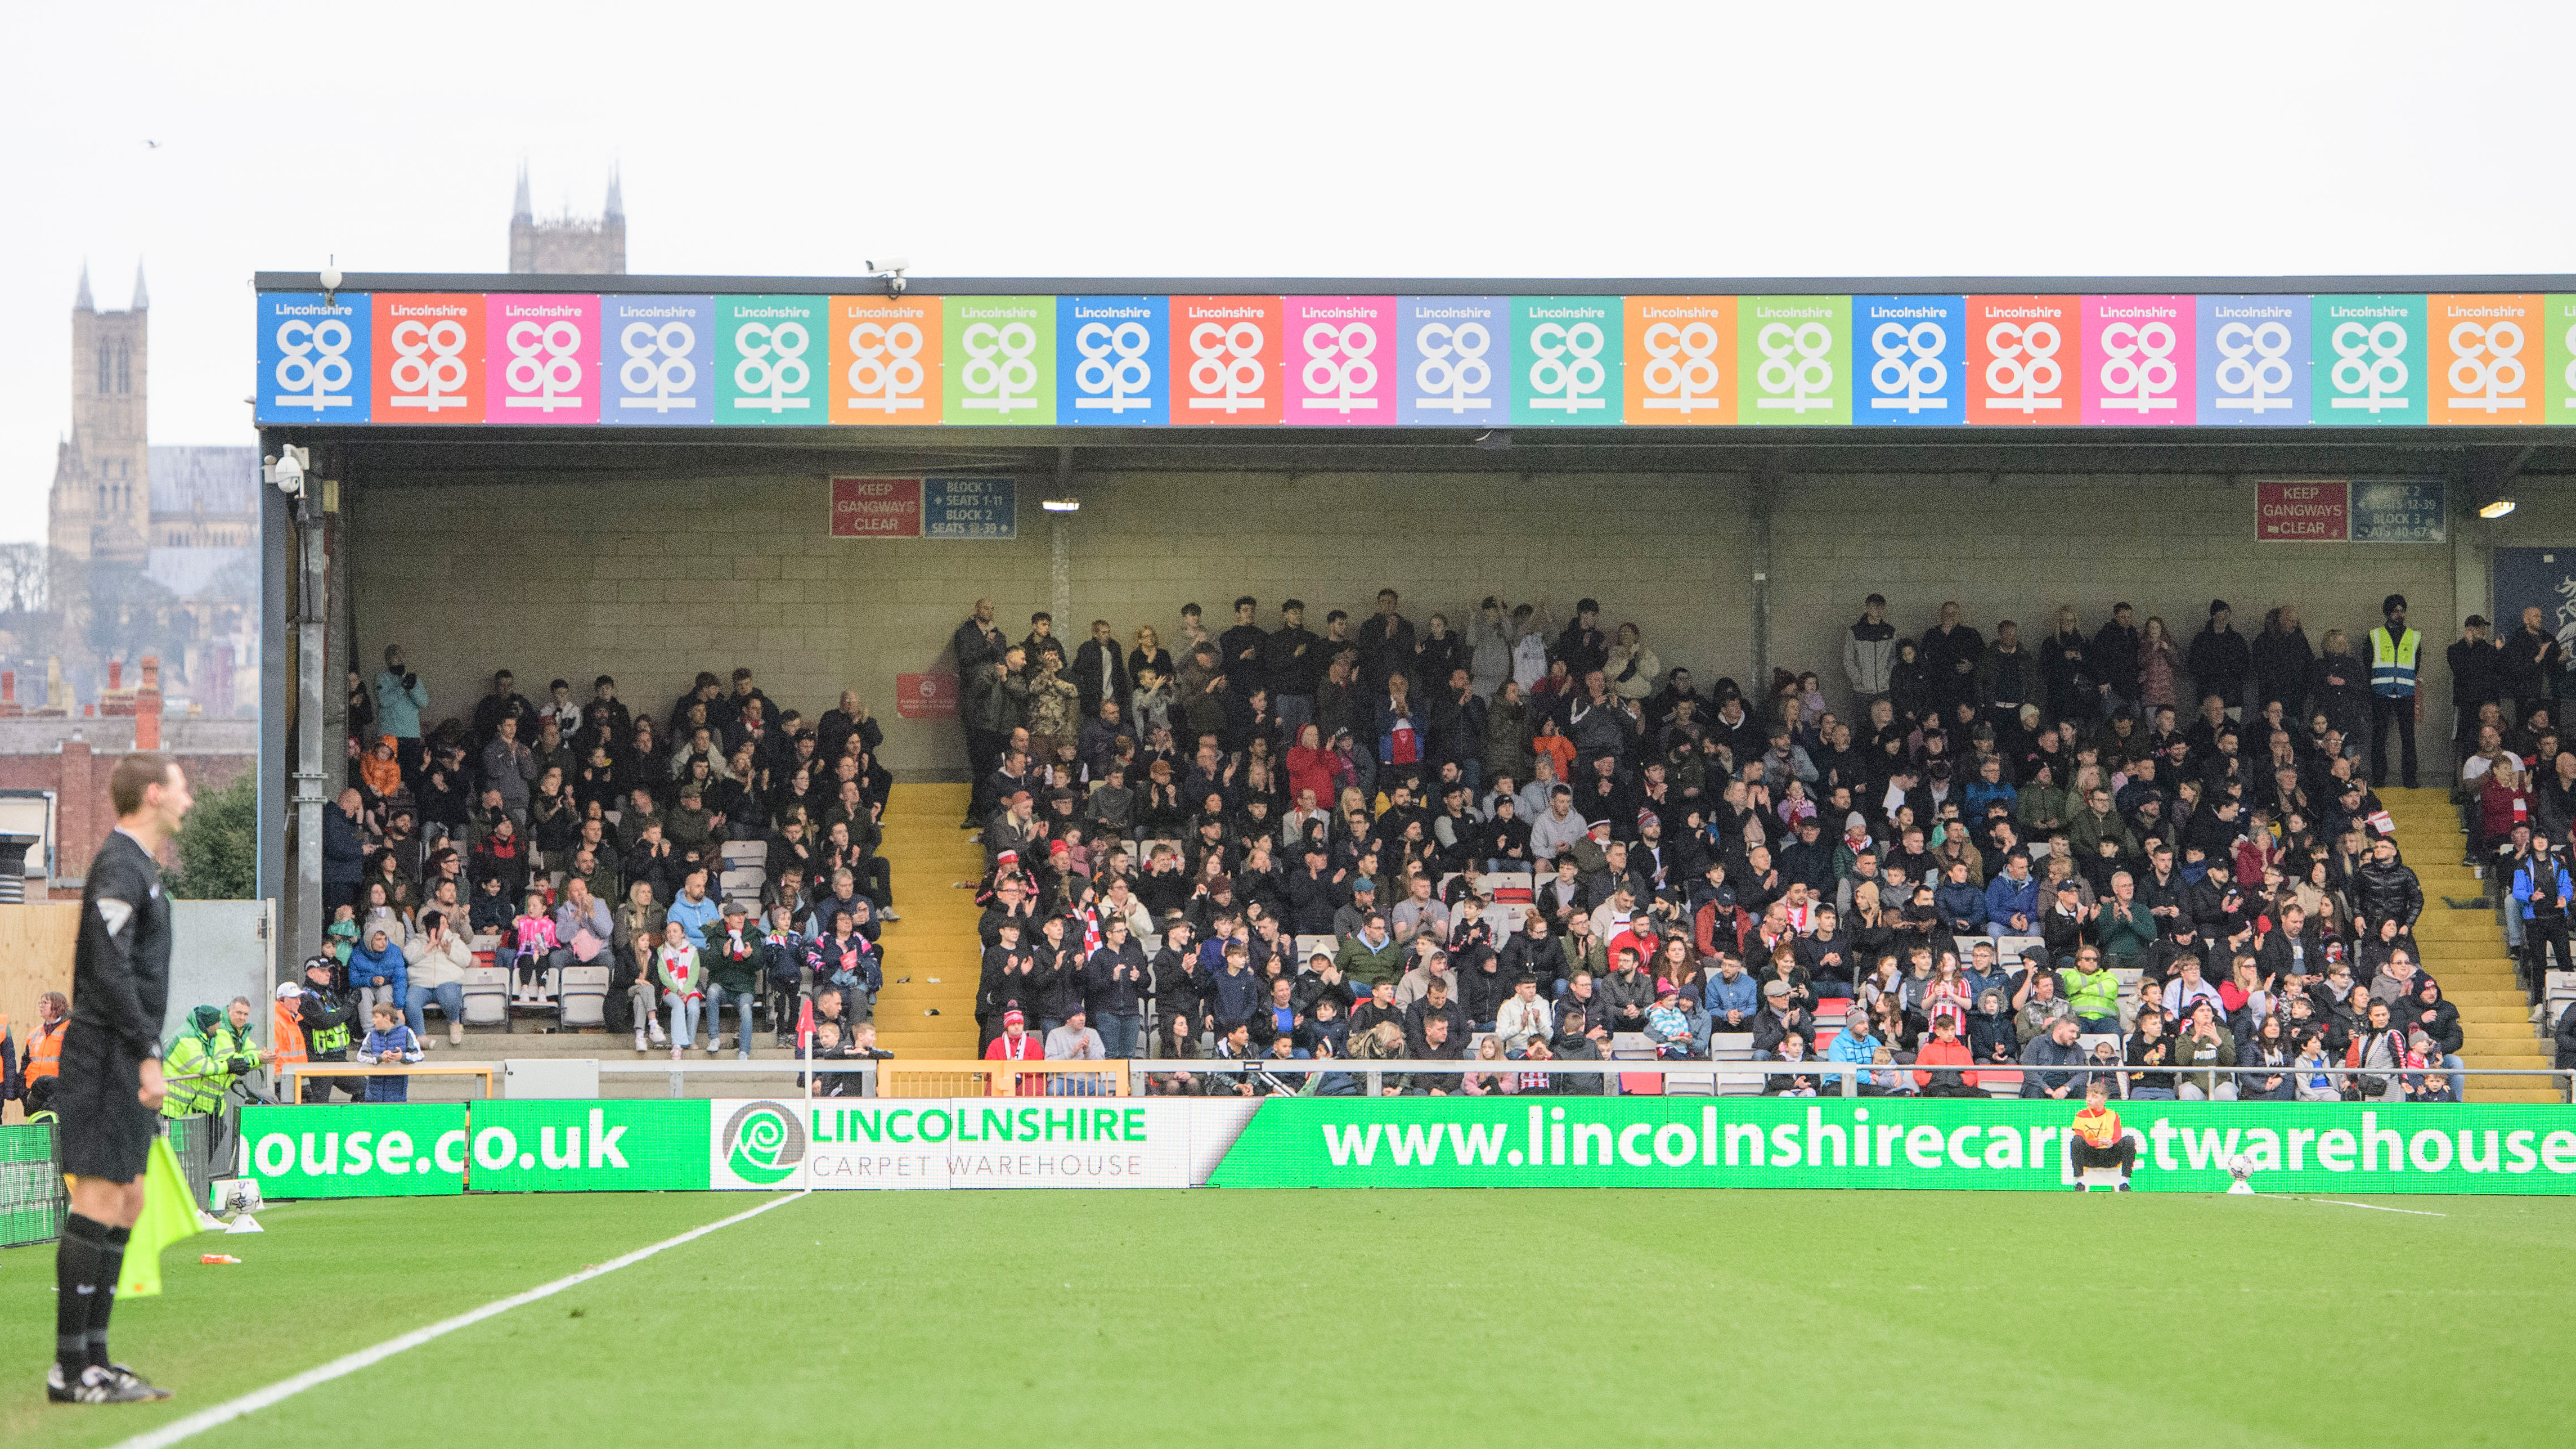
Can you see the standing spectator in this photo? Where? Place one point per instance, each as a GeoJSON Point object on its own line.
{"type": "Point", "coordinates": [1293, 658]}
{"type": "Point", "coordinates": [2341, 687]}
{"type": "Point", "coordinates": [2066, 667]}
{"type": "Point", "coordinates": [2543, 892]}
{"type": "Point", "coordinates": [1115, 989]}
{"type": "Point", "coordinates": [509, 766]}
{"type": "Point", "coordinates": [2477, 677]}
{"type": "Point", "coordinates": [2533, 658]}
{"type": "Point", "coordinates": [2115, 659]}
{"type": "Point", "coordinates": [344, 852]}
{"type": "Point", "coordinates": [1054, 708]}
{"type": "Point", "coordinates": [1583, 648]}
{"type": "Point", "coordinates": [2220, 661]}
{"type": "Point", "coordinates": [1100, 670]}
{"type": "Point", "coordinates": [1869, 654]}
{"type": "Point", "coordinates": [2283, 661]}
{"type": "Point", "coordinates": [2158, 662]}
{"type": "Point", "coordinates": [2394, 702]}
{"type": "Point", "coordinates": [400, 697]}
{"type": "Point", "coordinates": [1950, 652]}
{"type": "Point", "coordinates": [1385, 642]}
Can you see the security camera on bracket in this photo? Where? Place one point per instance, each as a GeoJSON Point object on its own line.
{"type": "Point", "coordinates": [890, 271]}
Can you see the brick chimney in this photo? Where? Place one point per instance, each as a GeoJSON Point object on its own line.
{"type": "Point", "coordinates": [147, 706]}
{"type": "Point", "coordinates": [10, 708]}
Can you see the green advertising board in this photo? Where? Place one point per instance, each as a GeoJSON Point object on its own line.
{"type": "Point", "coordinates": [1891, 1142]}
{"type": "Point", "coordinates": [1000, 360]}
{"type": "Point", "coordinates": [577, 1146]}
{"type": "Point", "coordinates": [1791, 357]}
{"type": "Point", "coordinates": [384, 1149]}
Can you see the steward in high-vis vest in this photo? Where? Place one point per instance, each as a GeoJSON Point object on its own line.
{"type": "Point", "coordinates": [40, 1064]}
{"type": "Point", "coordinates": [2394, 702]}
{"type": "Point", "coordinates": [328, 1019]}
{"type": "Point", "coordinates": [204, 1061]}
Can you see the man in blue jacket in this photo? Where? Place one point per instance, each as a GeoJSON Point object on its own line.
{"type": "Point", "coordinates": [2012, 898]}
{"type": "Point", "coordinates": [344, 852]}
{"type": "Point", "coordinates": [1961, 904]}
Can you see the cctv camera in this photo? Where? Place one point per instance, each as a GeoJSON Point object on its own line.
{"type": "Point", "coordinates": [897, 265]}
{"type": "Point", "coordinates": [331, 279]}
{"type": "Point", "coordinates": [286, 470]}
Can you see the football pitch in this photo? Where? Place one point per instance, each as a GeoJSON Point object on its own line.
{"type": "Point", "coordinates": [1375, 1317]}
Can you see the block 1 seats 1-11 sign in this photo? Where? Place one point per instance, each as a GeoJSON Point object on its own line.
{"type": "Point", "coordinates": [925, 508]}
{"type": "Point", "coordinates": [1106, 361]}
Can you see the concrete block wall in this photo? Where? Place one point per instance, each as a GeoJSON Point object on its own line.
{"type": "Point", "coordinates": [652, 581]}
{"type": "Point", "coordinates": [2019, 546]}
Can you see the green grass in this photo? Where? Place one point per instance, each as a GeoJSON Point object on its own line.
{"type": "Point", "coordinates": [1147, 1318]}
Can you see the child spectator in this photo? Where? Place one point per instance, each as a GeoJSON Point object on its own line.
{"type": "Point", "coordinates": [389, 1043]}
{"type": "Point", "coordinates": [532, 939]}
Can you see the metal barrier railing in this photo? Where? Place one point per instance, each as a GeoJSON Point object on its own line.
{"type": "Point", "coordinates": [1850, 1079]}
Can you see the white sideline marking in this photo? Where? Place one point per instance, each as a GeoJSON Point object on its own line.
{"type": "Point", "coordinates": [347, 1364]}
{"type": "Point", "coordinates": [2369, 1206]}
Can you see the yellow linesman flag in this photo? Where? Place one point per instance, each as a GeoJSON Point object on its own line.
{"type": "Point", "coordinates": [169, 1216]}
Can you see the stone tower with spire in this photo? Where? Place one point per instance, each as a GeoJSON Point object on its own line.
{"type": "Point", "coordinates": [100, 508]}
{"type": "Point", "coordinates": [568, 244]}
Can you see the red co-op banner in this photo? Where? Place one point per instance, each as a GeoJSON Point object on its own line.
{"type": "Point", "coordinates": [2303, 510]}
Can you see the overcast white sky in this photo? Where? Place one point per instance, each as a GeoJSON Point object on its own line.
{"type": "Point", "coordinates": [1294, 138]}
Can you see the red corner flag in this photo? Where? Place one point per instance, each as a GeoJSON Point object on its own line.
{"type": "Point", "coordinates": [805, 1027]}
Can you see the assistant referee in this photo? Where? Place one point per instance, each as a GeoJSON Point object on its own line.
{"type": "Point", "coordinates": [111, 1076]}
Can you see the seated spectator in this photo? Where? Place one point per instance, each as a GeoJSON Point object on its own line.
{"type": "Point", "coordinates": [2053, 1062]}
{"type": "Point", "coordinates": [1944, 1048]}
{"type": "Point", "coordinates": [1793, 1049]}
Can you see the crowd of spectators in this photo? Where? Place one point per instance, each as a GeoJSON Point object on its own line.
{"type": "Point", "coordinates": [2054, 856]}
{"type": "Point", "coordinates": [578, 830]}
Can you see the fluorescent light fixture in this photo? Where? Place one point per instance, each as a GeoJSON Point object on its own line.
{"type": "Point", "coordinates": [2498, 509]}
{"type": "Point", "coordinates": [1062, 505]}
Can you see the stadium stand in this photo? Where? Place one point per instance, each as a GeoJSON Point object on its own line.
{"type": "Point", "coordinates": [1362, 842]}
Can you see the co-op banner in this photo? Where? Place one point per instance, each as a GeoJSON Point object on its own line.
{"type": "Point", "coordinates": [1884, 1142]}
{"type": "Point", "coordinates": [424, 1149]}
{"type": "Point", "coordinates": [2077, 360]}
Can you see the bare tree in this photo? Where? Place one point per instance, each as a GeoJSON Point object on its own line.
{"type": "Point", "coordinates": [22, 577]}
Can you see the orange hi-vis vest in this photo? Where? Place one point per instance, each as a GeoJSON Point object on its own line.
{"type": "Point", "coordinates": [45, 1051]}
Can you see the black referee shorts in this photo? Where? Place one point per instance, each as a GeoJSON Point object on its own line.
{"type": "Point", "coordinates": [104, 1129]}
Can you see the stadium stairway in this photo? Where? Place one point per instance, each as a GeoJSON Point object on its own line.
{"type": "Point", "coordinates": [2464, 949]}
{"type": "Point", "coordinates": [933, 957]}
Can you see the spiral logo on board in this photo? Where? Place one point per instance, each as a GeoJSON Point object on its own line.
{"type": "Point", "coordinates": [763, 1142]}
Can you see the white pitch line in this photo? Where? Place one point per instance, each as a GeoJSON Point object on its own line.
{"type": "Point", "coordinates": [347, 1364]}
{"type": "Point", "coordinates": [2367, 1206]}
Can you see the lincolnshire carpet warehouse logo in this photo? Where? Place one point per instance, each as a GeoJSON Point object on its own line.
{"type": "Point", "coordinates": [762, 1143]}
{"type": "Point", "coordinates": [1892, 1142]}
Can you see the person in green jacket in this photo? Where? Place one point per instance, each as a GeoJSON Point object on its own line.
{"type": "Point", "coordinates": [2094, 993]}
{"type": "Point", "coordinates": [2128, 928]}
{"type": "Point", "coordinates": [205, 1060]}
{"type": "Point", "coordinates": [1370, 955]}
{"type": "Point", "coordinates": [2097, 824]}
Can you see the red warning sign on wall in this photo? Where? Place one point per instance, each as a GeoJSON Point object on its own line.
{"type": "Point", "coordinates": [926, 696]}
{"type": "Point", "coordinates": [876, 508]}
{"type": "Point", "coordinates": [2303, 510]}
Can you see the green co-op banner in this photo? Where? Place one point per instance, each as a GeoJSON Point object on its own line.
{"type": "Point", "coordinates": [1891, 1142]}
